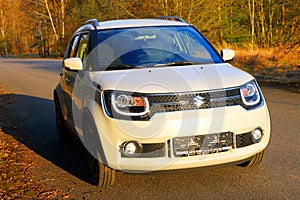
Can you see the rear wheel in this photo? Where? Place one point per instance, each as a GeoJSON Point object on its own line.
{"type": "Point", "coordinates": [255, 160]}
{"type": "Point", "coordinates": [101, 174]}
{"type": "Point", "coordinates": [61, 129]}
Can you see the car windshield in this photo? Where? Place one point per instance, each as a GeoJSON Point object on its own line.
{"type": "Point", "coordinates": [142, 47]}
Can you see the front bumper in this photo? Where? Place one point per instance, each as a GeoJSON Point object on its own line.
{"type": "Point", "coordinates": [163, 127]}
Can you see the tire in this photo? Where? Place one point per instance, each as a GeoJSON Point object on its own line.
{"type": "Point", "coordinates": [255, 160]}
{"type": "Point", "coordinates": [101, 174]}
{"type": "Point", "coordinates": [61, 129]}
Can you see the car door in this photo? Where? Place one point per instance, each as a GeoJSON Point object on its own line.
{"type": "Point", "coordinates": [79, 88]}
{"type": "Point", "coordinates": [77, 48]}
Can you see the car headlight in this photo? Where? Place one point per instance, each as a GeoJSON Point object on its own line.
{"type": "Point", "coordinates": [250, 94]}
{"type": "Point", "coordinates": [120, 104]}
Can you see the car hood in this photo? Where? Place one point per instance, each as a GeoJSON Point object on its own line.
{"type": "Point", "coordinates": [172, 79]}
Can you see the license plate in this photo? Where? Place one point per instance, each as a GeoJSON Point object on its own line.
{"type": "Point", "coordinates": [202, 144]}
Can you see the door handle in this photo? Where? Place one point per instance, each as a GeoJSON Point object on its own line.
{"type": "Point", "coordinates": [68, 80]}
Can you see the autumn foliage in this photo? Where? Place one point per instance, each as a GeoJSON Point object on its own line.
{"type": "Point", "coordinates": [43, 27]}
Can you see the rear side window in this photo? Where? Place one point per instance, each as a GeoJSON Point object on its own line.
{"type": "Point", "coordinates": [82, 51]}
{"type": "Point", "coordinates": [73, 47]}
{"type": "Point", "coordinates": [78, 46]}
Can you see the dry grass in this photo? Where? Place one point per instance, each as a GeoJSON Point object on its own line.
{"type": "Point", "coordinates": [271, 65]}
{"type": "Point", "coordinates": [260, 59]}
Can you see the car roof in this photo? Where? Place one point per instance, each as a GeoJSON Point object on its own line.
{"type": "Point", "coordinates": [129, 23]}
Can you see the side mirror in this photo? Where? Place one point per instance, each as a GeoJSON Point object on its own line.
{"type": "Point", "coordinates": [227, 54]}
{"type": "Point", "coordinates": [74, 64]}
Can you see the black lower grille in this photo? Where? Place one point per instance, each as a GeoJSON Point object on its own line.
{"type": "Point", "coordinates": [195, 145]}
{"type": "Point", "coordinates": [202, 144]}
{"type": "Point", "coordinates": [153, 150]}
{"type": "Point", "coordinates": [207, 144]}
{"type": "Point", "coordinates": [243, 140]}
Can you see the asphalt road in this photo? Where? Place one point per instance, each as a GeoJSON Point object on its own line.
{"type": "Point", "coordinates": [278, 176]}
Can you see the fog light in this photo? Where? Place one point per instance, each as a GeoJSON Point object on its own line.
{"type": "Point", "coordinates": [256, 135]}
{"type": "Point", "coordinates": [131, 148]}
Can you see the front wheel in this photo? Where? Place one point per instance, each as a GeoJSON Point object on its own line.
{"type": "Point", "coordinates": [101, 174]}
{"type": "Point", "coordinates": [255, 160]}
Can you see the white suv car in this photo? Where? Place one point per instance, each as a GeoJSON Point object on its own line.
{"type": "Point", "coordinates": [146, 95]}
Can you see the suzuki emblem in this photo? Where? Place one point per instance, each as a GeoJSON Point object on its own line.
{"type": "Point", "coordinates": [198, 101]}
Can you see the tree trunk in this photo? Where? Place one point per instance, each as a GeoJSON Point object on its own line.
{"type": "Point", "coordinates": [220, 24]}
{"type": "Point", "coordinates": [231, 17]}
{"type": "Point", "coordinates": [191, 8]}
{"type": "Point", "coordinates": [63, 9]}
{"type": "Point", "coordinates": [282, 24]}
{"type": "Point", "coordinates": [51, 20]}
{"type": "Point", "coordinates": [2, 29]}
{"type": "Point", "coordinates": [271, 14]}
{"type": "Point", "coordinates": [165, 7]}
{"type": "Point", "coordinates": [251, 8]}
{"type": "Point", "coordinates": [262, 22]}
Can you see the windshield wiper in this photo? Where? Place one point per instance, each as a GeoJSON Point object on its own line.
{"type": "Point", "coordinates": [178, 63]}
{"type": "Point", "coordinates": [122, 67]}
{"type": "Point", "coordinates": [119, 66]}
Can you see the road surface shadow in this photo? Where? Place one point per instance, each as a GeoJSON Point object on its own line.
{"type": "Point", "coordinates": [31, 121]}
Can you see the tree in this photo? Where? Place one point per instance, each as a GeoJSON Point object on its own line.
{"type": "Point", "coordinates": [54, 11]}
{"type": "Point", "coordinates": [251, 7]}
{"type": "Point", "coordinates": [14, 26]}
{"type": "Point", "coordinates": [45, 26]}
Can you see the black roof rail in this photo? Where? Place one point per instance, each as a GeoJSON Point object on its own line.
{"type": "Point", "coordinates": [94, 22]}
{"type": "Point", "coordinates": [176, 18]}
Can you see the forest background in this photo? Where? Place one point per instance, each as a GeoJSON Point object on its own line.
{"type": "Point", "coordinates": [264, 33]}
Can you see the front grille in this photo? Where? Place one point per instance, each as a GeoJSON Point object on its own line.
{"type": "Point", "coordinates": [191, 101]}
{"type": "Point", "coordinates": [171, 102]}
{"type": "Point", "coordinates": [243, 140]}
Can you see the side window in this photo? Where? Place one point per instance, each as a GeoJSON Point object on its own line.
{"type": "Point", "coordinates": [82, 51]}
{"type": "Point", "coordinates": [73, 47]}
